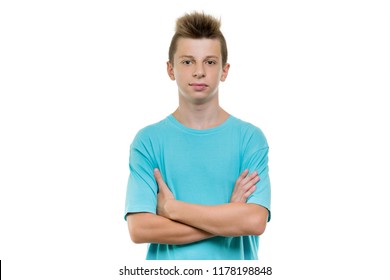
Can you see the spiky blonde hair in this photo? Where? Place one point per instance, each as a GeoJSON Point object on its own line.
{"type": "Point", "coordinates": [197, 26]}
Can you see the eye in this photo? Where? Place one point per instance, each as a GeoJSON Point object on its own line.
{"type": "Point", "coordinates": [211, 62]}
{"type": "Point", "coordinates": [186, 62]}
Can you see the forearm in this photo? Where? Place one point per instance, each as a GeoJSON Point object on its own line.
{"type": "Point", "coordinates": [151, 228]}
{"type": "Point", "coordinates": [233, 219]}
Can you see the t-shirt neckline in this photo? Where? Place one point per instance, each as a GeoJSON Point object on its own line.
{"type": "Point", "coordinates": [215, 129]}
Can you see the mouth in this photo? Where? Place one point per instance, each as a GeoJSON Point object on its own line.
{"type": "Point", "coordinates": [198, 86]}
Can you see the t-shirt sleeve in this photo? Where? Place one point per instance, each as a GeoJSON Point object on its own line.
{"type": "Point", "coordinates": [255, 158]}
{"type": "Point", "coordinates": [141, 194]}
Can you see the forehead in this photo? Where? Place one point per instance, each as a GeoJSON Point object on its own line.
{"type": "Point", "coordinates": [198, 47]}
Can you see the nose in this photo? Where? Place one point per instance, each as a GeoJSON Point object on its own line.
{"type": "Point", "coordinates": [199, 71]}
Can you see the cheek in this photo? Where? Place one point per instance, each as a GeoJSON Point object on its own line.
{"type": "Point", "coordinates": [182, 74]}
{"type": "Point", "coordinates": [222, 76]}
{"type": "Point", "coordinates": [178, 77]}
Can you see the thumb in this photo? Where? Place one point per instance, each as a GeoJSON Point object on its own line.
{"type": "Point", "coordinates": [159, 179]}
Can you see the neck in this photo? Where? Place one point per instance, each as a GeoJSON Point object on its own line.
{"type": "Point", "coordinates": [200, 116]}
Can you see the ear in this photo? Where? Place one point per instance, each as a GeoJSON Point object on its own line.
{"type": "Point", "coordinates": [170, 71]}
{"type": "Point", "coordinates": [225, 71]}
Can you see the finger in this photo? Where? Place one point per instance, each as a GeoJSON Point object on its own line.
{"type": "Point", "coordinates": [249, 178]}
{"type": "Point", "coordinates": [157, 175]}
{"type": "Point", "coordinates": [244, 173]}
{"type": "Point", "coordinates": [255, 180]}
{"type": "Point", "coordinates": [242, 176]}
{"type": "Point", "coordinates": [159, 179]}
{"type": "Point", "coordinates": [249, 192]}
{"type": "Point", "coordinates": [251, 183]}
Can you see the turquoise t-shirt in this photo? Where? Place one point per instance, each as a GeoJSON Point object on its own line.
{"type": "Point", "coordinates": [199, 166]}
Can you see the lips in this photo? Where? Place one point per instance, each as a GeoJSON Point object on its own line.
{"type": "Point", "coordinates": [198, 86]}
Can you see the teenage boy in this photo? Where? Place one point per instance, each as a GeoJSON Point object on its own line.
{"type": "Point", "coordinates": [198, 185]}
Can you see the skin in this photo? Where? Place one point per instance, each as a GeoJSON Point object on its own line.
{"type": "Point", "coordinates": [197, 69]}
{"type": "Point", "coordinates": [151, 228]}
{"type": "Point", "coordinates": [232, 219]}
{"type": "Point", "coordinates": [198, 62]}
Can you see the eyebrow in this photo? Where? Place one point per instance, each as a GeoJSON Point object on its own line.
{"type": "Point", "coordinates": [192, 57]}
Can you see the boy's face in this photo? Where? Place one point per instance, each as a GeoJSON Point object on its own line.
{"type": "Point", "coordinates": [197, 68]}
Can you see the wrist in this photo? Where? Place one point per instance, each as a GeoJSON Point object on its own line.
{"type": "Point", "coordinates": [170, 207]}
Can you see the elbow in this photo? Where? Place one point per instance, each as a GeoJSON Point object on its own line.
{"type": "Point", "coordinates": [135, 231]}
{"type": "Point", "coordinates": [136, 236]}
{"type": "Point", "coordinates": [257, 223]}
{"type": "Point", "coordinates": [256, 227]}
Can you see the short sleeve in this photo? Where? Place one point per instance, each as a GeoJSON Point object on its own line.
{"type": "Point", "coordinates": [141, 193]}
{"type": "Point", "coordinates": [255, 158]}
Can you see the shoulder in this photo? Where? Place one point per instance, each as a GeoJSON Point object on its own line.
{"type": "Point", "coordinates": [250, 133]}
{"type": "Point", "coordinates": [150, 132]}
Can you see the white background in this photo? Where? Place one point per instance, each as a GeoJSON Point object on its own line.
{"type": "Point", "coordinates": [79, 78]}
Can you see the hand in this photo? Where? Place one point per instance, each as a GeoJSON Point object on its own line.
{"type": "Point", "coordinates": [244, 187]}
{"type": "Point", "coordinates": [164, 194]}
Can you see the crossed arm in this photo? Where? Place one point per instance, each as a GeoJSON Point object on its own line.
{"type": "Point", "coordinates": [179, 222]}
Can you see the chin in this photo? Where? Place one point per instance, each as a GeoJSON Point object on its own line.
{"type": "Point", "coordinates": [198, 98]}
